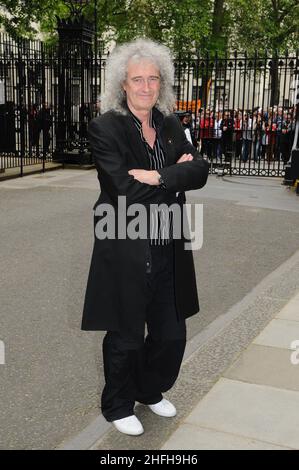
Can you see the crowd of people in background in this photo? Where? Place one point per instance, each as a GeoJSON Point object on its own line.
{"type": "Point", "coordinates": [218, 135]}
{"type": "Point", "coordinates": [255, 135]}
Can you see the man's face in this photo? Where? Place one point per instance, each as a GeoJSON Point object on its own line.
{"type": "Point", "coordinates": [142, 85]}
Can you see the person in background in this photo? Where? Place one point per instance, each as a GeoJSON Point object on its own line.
{"type": "Point", "coordinates": [186, 121]}
{"type": "Point", "coordinates": [238, 134]}
{"type": "Point", "coordinates": [227, 127]}
{"type": "Point", "coordinates": [257, 126]}
{"type": "Point", "coordinates": [286, 137]}
{"type": "Point", "coordinates": [246, 126]}
{"type": "Point", "coordinates": [45, 119]}
{"type": "Point", "coordinates": [206, 133]}
{"type": "Point", "coordinates": [217, 147]}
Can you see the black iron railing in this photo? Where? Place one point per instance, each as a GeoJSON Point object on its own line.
{"type": "Point", "coordinates": [242, 109]}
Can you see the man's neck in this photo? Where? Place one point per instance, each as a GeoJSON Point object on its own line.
{"type": "Point", "coordinates": [143, 116]}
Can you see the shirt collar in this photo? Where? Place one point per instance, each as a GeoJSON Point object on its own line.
{"type": "Point", "coordinates": [137, 120]}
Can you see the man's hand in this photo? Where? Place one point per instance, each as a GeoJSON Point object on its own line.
{"type": "Point", "coordinates": [146, 176]}
{"type": "Point", "coordinates": [152, 176]}
{"type": "Point", "coordinates": [186, 157]}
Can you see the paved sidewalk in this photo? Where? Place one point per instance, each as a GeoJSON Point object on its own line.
{"type": "Point", "coordinates": [255, 403]}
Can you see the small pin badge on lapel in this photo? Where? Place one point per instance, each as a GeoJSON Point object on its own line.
{"type": "Point", "coordinates": [169, 141]}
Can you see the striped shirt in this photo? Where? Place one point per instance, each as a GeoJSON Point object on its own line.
{"type": "Point", "coordinates": [161, 221]}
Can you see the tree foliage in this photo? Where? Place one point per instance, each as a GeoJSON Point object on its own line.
{"type": "Point", "coordinates": [265, 24]}
{"type": "Point", "coordinates": [184, 25]}
{"type": "Point", "coordinates": [26, 18]}
{"type": "Point", "coordinates": [181, 24]}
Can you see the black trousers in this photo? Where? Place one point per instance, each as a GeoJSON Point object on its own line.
{"type": "Point", "coordinates": [141, 369]}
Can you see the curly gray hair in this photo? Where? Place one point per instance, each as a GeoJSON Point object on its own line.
{"type": "Point", "coordinates": [116, 72]}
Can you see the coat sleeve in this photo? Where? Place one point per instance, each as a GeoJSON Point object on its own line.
{"type": "Point", "coordinates": [114, 171]}
{"type": "Point", "coordinates": [186, 175]}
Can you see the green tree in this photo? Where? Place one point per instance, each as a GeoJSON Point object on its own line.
{"type": "Point", "coordinates": [271, 25]}
{"type": "Point", "coordinates": [184, 25]}
{"type": "Point", "coordinates": [181, 24]}
{"type": "Point", "coordinates": [17, 16]}
{"type": "Point", "coordinates": [265, 24]}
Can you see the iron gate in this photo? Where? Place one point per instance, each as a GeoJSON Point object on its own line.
{"type": "Point", "coordinates": [242, 109]}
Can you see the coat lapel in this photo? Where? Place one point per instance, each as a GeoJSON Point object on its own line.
{"type": "Point", "coordinates": [137, 146]}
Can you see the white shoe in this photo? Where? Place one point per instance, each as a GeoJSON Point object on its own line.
{"type": "Point", "coordinates": [163, 408]}
{"type": "Point", "coordinates": [130, 425]}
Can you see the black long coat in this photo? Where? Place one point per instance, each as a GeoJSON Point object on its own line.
{"type": "Point", "coordinates": [115, 294]}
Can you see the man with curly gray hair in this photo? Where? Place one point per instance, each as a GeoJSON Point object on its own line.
{"type": "Point", "coordinates": [142, 156]}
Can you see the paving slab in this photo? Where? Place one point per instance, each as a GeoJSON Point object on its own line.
{"type": "Point", "coordinates": [265, 365]}
{"type": "Point", "coordinates": [290, 311]}
{"type": "Point", "coordinates": [279, 333]}
{"type": "Point", "coordinates": [251, 411]}
{"type": "Point", "coordinates": [190, 437]}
